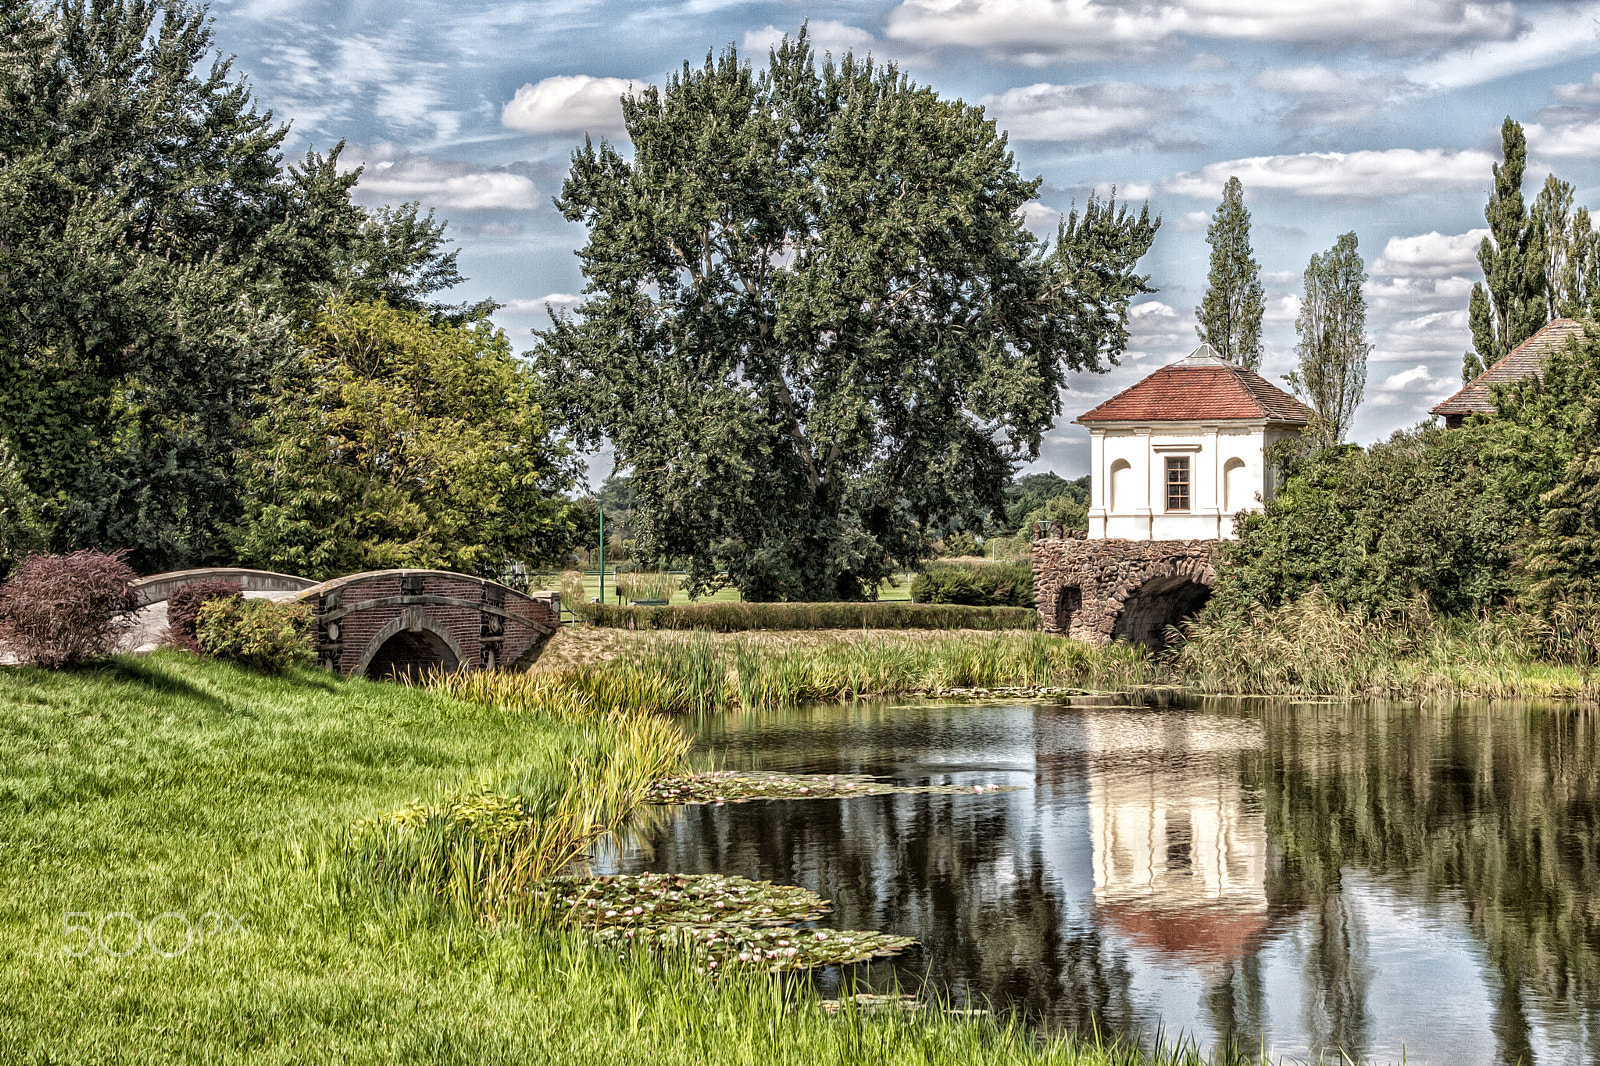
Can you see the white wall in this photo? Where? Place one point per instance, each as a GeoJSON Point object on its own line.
{"type": "Point", "coordinates": [1127, 498]}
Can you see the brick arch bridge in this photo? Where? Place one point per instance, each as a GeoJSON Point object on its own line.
{"type": "Point", "coordinates": [388, 623]}
{"type": "Point", "coordinates": [1102, 590]}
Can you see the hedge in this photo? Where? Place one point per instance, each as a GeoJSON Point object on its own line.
{"type": "Point", "coordinates": [735, 617]}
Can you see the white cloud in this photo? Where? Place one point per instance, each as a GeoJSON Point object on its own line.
{"type": "Point", "coordinates": [537, 305]}
{"type": "Point", "coordinates": [1432, 254]}
{"type": "Point", "coordinates": [1581, 92]}
{"type": "Point", "coordinates": [1547, 34]}
{"type": "Point", "coordinates": [1414, 295]}
{"type": "Point", "coordinates": [1281, 309]}
{"type": "Point", "coordinates": [392, 175]}
{"type": "Point", "coordinates": [1110, 112]}
{"type": "Point", "coordinates": [1329, 97]}
{"type": "Point", "coordinates": [826, 36]}
{"type": "Point", "coordinates": [1417, 375]}
{"type": "Point", "coordinates": [1353, 175]}
{"type": "Point", "coordinates": [567, 103]}
{"type": "Point", "coordinates": [1570, 135]}
{"type": "Point", "coordinates": [1034, 29]}
{"type": "Point", "coordinates": [1160, 331]}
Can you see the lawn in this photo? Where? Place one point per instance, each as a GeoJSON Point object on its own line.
{"type": "Point", "coordinates": [167, 794]}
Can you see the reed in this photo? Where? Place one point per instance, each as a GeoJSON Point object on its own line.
{"type": "Point", "coordinates": [1314, 647]}
{"type": "Point", "coordinates": [646, 585]}
{"type": "Point", "coordinates": [696, 673]}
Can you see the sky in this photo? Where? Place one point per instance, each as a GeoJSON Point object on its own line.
{"type": "Point", "coordinates": [1377, 116]}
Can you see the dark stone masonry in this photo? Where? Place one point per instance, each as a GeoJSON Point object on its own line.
{"type": "Point", "coordinates": [1100, 590]}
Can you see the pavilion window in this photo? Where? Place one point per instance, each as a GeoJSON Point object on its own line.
{"type": "Point", "coordinates": [1178, 483]}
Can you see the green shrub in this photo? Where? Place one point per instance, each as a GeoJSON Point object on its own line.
{"type": "Point", "coordinates": [736, 617]}
{"type": "Point", "coordinates": [183, 608]}
{"type": "Point", "coordinates": [260, 633]}
{"type": "Point", "coordinates": [1008, 584]}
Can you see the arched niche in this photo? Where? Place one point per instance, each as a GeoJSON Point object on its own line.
{"type": "Point", "coordinates": [1122, 487]}
{"type": "Point", "coordinates": [1236, 494]}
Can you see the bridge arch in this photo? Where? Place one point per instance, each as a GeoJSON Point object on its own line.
{"type": "Point", "coordinates": [1104, 590]}
{"type": "Point", "coordinates": [409, 645]}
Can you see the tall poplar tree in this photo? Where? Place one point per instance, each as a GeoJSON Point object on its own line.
{"type": "Point", "coordinates": [1508, 306]}
{"type": "Point", "coordinates": [1333, 344]}
{"type": "Point", "coordinates": [1230, 314]}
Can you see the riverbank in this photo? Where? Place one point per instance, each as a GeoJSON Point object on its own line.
{"type": "Point", "coordinates": [1305, 650]}
{"type": "Point", "coordinates": [176, 889]}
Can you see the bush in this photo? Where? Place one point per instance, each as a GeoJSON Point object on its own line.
{"type": "Point", "coordinates": [264, 634]}
{"type": "Point", "coordinates": [61, 609]}
{"type": "Point", "coordinates": [183, 608]}
{"type": "Point", "coordinates": [736, 617]}
{"type": "Point", "coordinates": [975, 584]}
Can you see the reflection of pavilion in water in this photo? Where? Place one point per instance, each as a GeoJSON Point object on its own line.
{"type": "Point", "coordinates": [1180, 851]}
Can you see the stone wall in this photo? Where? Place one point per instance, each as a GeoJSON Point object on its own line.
{"type": "Point", "coordinates": [1099, 590]}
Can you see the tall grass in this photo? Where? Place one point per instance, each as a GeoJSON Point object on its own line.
{"type": "Point", "coordinates": [740, 617]}
{"type": "Point", "coordinates": [647, 585]}
{"type": "Point", "coordinates": [1314, 647]}
{"type": "Point", "coordinates": [702, 674]}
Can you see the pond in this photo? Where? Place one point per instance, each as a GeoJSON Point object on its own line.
{"type": "Point", "coordinates": [1314, 879]}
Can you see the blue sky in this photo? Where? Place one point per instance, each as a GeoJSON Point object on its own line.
{"type": "Point", "coordinates": [1379, 116]}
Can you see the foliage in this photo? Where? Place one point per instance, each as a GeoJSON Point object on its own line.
{"type": "Point", "coordinates": [183, 609]}
{"type": "Point", "coordinates": [269, 636]}
{"type": "Point", "coordinates": [1008, 584]}
{"type": "Point", "coordinates": [734, 617]}
{"type": "Point", "coordinates": [1428, 511]}
{"type": "Point", "coordinates": [19, 508]}
{"type": "Point", "coordinates": [57, 610]}
{"type": "Point", "coordinates": [1563, 556]}
{"type": "Point", "coordinates": [1508, 306]}
{"type": "Point", "coordinates": [1230, 313]}
{"type": "Point", "coordinates": [405, 443]}
{"type": "Point", "coordinates": [815, 328]}
{"type": "Point", "coordinates": [156, 257]}
{"type": "Point", "coordinates": [1067, 508]}
{"type": "Point", "coordinates": [1333, 343]}
{"type": "Point", "coordinates": [1028, 494]}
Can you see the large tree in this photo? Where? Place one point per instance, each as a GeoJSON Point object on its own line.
{"type": "Point", "coordinates": [1333, 346]}
{"type": "Point", "coordinates": [405, 442]}
{"type": "Point", "coordinates": [1508, 306]}
{"type": "Point", "coordinates": [1230, 313]}
{"type": "Point", "coordinates": [814, 327]}
{"type": "Point", "coordinates": [156, 259]}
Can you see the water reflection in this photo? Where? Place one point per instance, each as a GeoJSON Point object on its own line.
{"type": "Point", "coordinates": [1318, 880]}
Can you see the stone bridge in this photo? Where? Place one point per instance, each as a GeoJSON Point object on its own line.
{"type": "Point", "coordinates": [1101, 590]}
{"type": "Point", "coordinates": [389, 623]}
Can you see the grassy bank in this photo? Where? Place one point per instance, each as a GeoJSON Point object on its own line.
{"type": "Point", "coordinates": [1314, 648]}
{"type": "Point", "coordinates": [682, 672]}
{"type": "Point", "coordinates": [1307, 649]}
{"type": "Point", "coordinates": [190, 794]}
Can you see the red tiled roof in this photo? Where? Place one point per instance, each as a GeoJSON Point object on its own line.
{"type": "Point", "coordinates": [1526, 360]}
{"type": "Point", "coordinates": [1201, 388]}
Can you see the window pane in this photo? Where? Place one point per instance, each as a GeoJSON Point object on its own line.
{"type": "Point", "coordinates": [1178, 484]}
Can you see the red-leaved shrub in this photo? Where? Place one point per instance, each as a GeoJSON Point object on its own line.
{"type": "Point", "coordinates": [61, 609]}
{"type": "Point", "coordinates": [183, 608]}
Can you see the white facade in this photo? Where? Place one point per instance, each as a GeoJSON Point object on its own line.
{"type": "Point", "coordinates": [1227, 473]}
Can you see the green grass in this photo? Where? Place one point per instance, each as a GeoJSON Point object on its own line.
{"type": "Point", "coordinates": [173, 785]}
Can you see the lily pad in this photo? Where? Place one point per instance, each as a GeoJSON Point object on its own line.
{"type": "Point", "coordinates": [731, 947]}
{"type": "Point", "coordinates": [738, 786]}
{"type": "Point", "coordinates": [708, 900]}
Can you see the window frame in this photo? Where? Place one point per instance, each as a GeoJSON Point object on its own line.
{"type": "Point", "coordinates": [1183, 489]}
